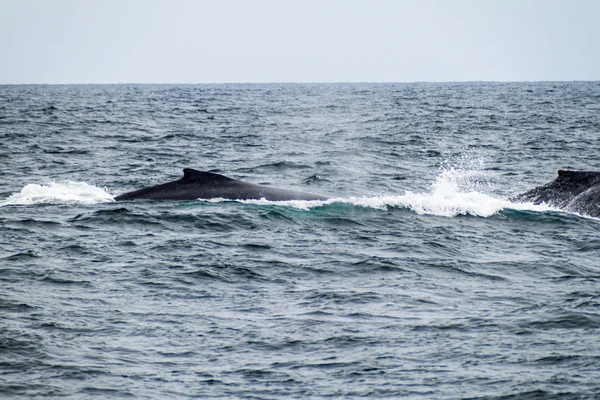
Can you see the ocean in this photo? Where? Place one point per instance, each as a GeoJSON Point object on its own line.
{"type": "Point", "coordinates": [419, 279]}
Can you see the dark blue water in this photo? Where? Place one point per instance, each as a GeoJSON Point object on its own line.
{"type": "Point", "coordinates": [419, 280]}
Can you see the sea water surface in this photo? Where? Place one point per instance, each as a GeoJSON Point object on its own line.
{"type": "Point", "coordinates": [419, 279]}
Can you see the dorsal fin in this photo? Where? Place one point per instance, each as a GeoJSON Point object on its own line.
{"type": "Point", "coordinates": [192, 175]}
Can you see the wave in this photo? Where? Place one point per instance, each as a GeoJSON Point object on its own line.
{"type": "Point", "coordinates": [59, 193]}
{"type": "Point", "coordinates": [451, 195]}
{"type": "Point", "coordinates": [443, 205]}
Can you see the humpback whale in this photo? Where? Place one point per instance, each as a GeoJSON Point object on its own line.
{"type": "Point", "coordinates": [574, 191]}
{"type": "Point", "coordinates": [207, 185]}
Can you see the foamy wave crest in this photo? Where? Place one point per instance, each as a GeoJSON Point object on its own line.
{"type": "Point", "coordinates": [58, 193]}
{"type": "Point", "coordinates": [445, 205]}
{"type": "Point", "coordinates": [472, 203]}
{"type": "Point", "coordinates": [299, 204]}
{"type": "Point", "coordinates": [454, 192]}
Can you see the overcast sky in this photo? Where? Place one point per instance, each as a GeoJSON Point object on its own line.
{"type": "Point", "coordinates": [196, 41]}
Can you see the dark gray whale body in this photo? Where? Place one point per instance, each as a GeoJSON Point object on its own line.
{"type": "Point", "coordinates": [207, 185]}
{"type": "Point", "coordinates": [574, 191]}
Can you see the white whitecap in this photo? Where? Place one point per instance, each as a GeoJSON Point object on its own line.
{"type": "Point", "coordinates": [451, 195]}
{"type": "Point", "coordinates": [58, 193]}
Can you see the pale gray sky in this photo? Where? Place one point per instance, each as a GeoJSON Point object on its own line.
{"type": "Point", "coordinates": [196, 41]}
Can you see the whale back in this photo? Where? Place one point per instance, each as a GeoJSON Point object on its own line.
{"type": "Point", "coordinates": [208, 185]}
{"type": "Point", "coordinates": [572, 190]}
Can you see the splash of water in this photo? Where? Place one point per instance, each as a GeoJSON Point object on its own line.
{"type": "Point", "coordinates": [58, 193]}
{"type": "Point", "coordinates": [455, 192]}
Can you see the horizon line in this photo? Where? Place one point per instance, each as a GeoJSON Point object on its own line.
{"type": "Point", "coordinates": [300, 82]}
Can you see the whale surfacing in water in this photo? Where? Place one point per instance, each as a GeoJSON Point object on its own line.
{"type": "Point", "coordinates": [574, 191]}
{"type": "Point", "coordinates": [207, 185]}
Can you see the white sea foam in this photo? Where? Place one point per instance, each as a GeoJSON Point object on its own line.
{"type": "Point", "coordinates": [450, 196]}
{"type": "Point", "coordinates": [59, 193]}
{"type": "Point", "coordinates": [446, 204]}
